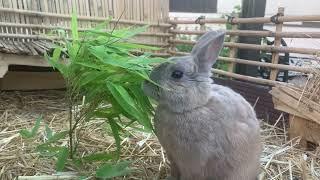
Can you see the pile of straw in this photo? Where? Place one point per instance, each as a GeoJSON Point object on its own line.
{"type": "Point", "coordinates": [281, 159]}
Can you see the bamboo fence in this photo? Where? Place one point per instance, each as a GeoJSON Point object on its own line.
{"type": "Point", "coordinates": [279, 19]}
{"type": "Point", "coordinates": [30, 20]}
{"type": "Point", "coordinates": [24, 21]}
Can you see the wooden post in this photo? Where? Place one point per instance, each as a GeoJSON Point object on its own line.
{"type": "Point", "coordinates": [203, 26]}
{"type": "Point", "coordinates": [233, 50]}
{"type": "Point", "coordinates": [277, 43]}
{"type": "Point", "coordinates": [172, 45]}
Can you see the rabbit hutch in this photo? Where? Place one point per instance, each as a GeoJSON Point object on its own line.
{"type": "Point", "coordinates": [29, 28]}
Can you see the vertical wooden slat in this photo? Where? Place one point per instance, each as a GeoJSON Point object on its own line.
{"type": "Point", "coordinates": [27, 18]}
{"type": "Point", "coordinates": [2, 18]}
{"type": "Point", "coordinates": [7, 17]}
{"type": "Point", "coordinates": [81, 12]}
{"type": "Point", "coordinates": [115, 7]}
{"type": "Point", "coordinates": [40, 20]}
{"type": "Point", "coordinates": [16, 16]}
{"type": "Point", "coordinates": [143, 10]}
{"type": "Point", "coordinates": [110, 8]}
{"type": "Point", "coordinates": [92, 11]}
{"type": "Point", "coordinates": [104, 8]}
{"type": "Point", "coordinates": [277, 43]}
{"type": "Point", "coordinates": [70, 11]}
{"type": "Point", "coordinates": [58, 11]}
{"type": "Point", "coordinates": [53, 8]}
{"type": "Point", "coordinates": [99, 6]}
{"type": "Point", "coordinates": [21, 17]}
{"type": "Point", "coordinates": [43, 19]}
{"type": "Point", "coordinates": [61, 11]}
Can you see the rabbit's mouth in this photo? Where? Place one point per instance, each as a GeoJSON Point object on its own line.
{"type": "Point", "coordinates": [151, 90]}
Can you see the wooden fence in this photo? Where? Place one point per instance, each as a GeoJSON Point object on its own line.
{"type": "Point", "coordinates": [233, 45]}
{"type": "Point", "coordinates": [30, 20]}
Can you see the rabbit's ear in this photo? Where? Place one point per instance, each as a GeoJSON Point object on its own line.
{"type": "Point", "coordinates": [207, 49]}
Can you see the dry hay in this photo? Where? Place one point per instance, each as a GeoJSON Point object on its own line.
{"type": "Point", "coordinates": [281, 159]}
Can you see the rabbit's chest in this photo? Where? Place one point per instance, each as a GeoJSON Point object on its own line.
{"type": "Point", "coordinates": [191, 132]}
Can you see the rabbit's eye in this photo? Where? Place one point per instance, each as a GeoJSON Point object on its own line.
{"type": "Point", "coordinates": [177, 74]}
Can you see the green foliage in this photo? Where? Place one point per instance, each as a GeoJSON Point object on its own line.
{"type": "Point", "coordinates": [102, 68]}
{"type": "Point", "coordinates": [31, 134]}
{"type": "Point", "coordinates": [184, 47]}
{"type": "Point", "coordinates": [99, 65]}
{"type": "Point", "coordinates": [109, 170]}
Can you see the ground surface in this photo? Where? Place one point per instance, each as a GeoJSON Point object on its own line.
{"type": "Point", "coordinates": [18, 157]}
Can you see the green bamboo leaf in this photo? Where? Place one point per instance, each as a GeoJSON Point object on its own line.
{"type": "Point", "coordinates": [48, 150]}
{"type": "Point", "coordinates": [48, 132]}
{"type": "Point", "coordinates": [109, 170]}
{"type": "Point", "coordinates": [56, 65]}
{"type": "Point", "coordinates": [115, 131]}
{"type": "Point", "coordinates": [89, 65]}
{"type": "Point", "coordinates": [62, 158]}
{"type": "Point", "coordinates": [74, 26]}
{"type": "Point", "coordinates": [105, 156]}
{"type": "Point", "coordinates": [56, 137]}
{"type": "Point", "coordinates": [143, 101]}
{"type": "Point", "coordinates": [56, 54]}
{"type": "Point", "coordinates": [130, 32]}
{"type": "Point", "coordinates": [132, 46]}
{"type": "Point", "coordinates": [126, 102]}
{"type": "Point", "coordinates": [31, 134]}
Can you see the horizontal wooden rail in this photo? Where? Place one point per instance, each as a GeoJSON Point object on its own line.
{"type": "Point", "coordinates": [84, 18]}
{"type": "Point", "coordinates": [26, 36]}
{"type": "Point", "coordinates": [39, 37]}
{"type": "Point", "coordinates": [258, 47]}
{"type": "Point", "coordinates": [268, 65]}
{"type": "Point", "coordinates": [255, 33]}
{"type": "Point", "coordinates": [37, 26]}
{"type": "Point", "coordinates": [257, 20]}
{"type": "Point", "coordinates": [255, 63]}
{"type": "Point", "coordinates": [248, 78]}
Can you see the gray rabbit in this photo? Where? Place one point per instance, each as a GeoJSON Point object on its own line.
{"type": "Point", "coordinates": [209, 132]}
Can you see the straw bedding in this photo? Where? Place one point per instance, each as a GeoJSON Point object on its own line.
{"type": "Point", "coordinates": [281, 158]}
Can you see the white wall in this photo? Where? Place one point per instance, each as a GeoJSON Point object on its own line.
{"type": "Point", "coordinates": [226, 6]}
{"type": "Point", "coordinates": [293, 7]}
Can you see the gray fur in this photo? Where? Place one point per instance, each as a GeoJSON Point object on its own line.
{"type": "Point", "coordinates": [209, 132]}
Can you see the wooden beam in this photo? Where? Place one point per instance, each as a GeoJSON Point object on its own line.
{"type": "Point", "coordinates": [277, 43]}
{"type": "Point", "coordinates": [84, 18]}
{"type": "Point", "coordinates": [259, 47]}
{"type": "Point", "coordinates": [258, 20]}
{"type": "Point", "coordinates": [247, 78]}
{"type": "Point", "coordinates": [32, 81]}
{"type": "Point", "coordinates": [254, 33]}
